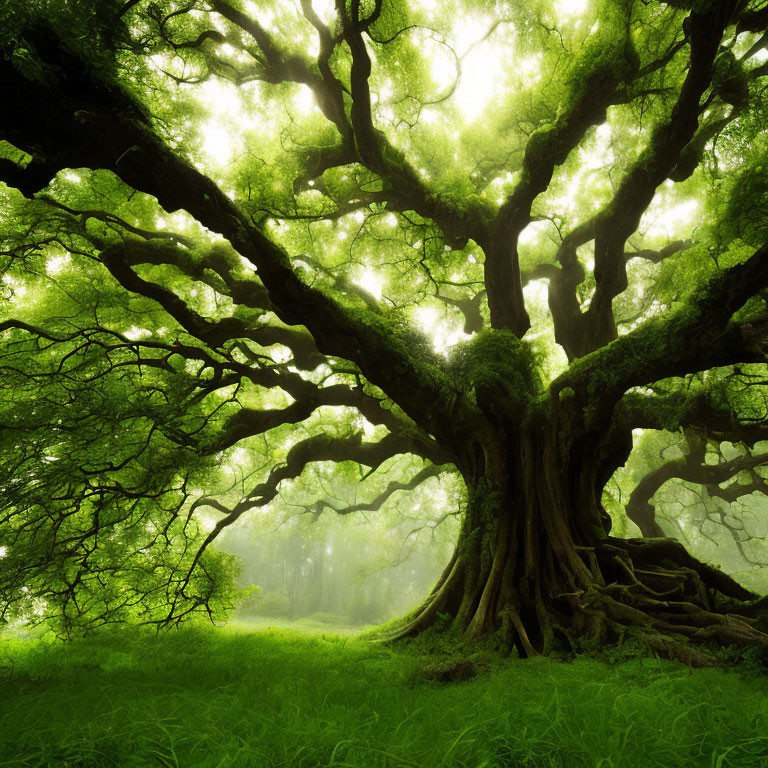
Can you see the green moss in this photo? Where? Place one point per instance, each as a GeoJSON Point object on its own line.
{"type": "Point", "coordinates": [496, 361]}
{"type": "Point", "coordinates": [537, 412]}
{"type": "Point", "coordinates": [746, 213]}
{"type": "Point", "coordinates": [608, 56]}
{"type": "Point", "coordinates": [539, 146]}
{"type": "Point", "coordinates": [729, 80]}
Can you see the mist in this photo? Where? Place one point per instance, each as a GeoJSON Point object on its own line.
{"type": "Point", "coordinates": [359, 569]}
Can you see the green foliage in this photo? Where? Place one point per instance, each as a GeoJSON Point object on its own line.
{"type": "Point", "coordinates": [746, 214]}
{"type": "Point", "coordinates": [497, 360]}
{"type": "Point", "coordinates": [608, 56]}
{"type": "Point", "coordinates": [729, 79]}
{"type": "Point", "coordinates": [204, 698]}
{"type": "Point", "coordinates": [93, 29]}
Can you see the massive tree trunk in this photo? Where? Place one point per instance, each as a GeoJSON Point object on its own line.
{"type": "Point", "coordinates": [535, 564]}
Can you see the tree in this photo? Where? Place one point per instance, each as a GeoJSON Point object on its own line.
{"type": "Point", "coordinates": [233, 218]}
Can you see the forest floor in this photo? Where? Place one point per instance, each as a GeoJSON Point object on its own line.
{"type": "Point", "coordinates": [221, 697]}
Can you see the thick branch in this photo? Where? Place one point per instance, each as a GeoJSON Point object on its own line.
{"type": "Point", "coordinates": [115, 134]}
{"type": "Point", "coordinates": [698, 335]}
{"type": "Point", "coordinates": [658, 160]}
{"type": "Point", "coordinates": [601, 68]}
{"type": "Point", "coordinates": [249, 422]}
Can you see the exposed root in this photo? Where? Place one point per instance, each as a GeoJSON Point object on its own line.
{"type": "Point", "coordinates": [427, 613]}
{"type": "Point", "coordinates": [679, 607]}
{"type": "Point", "coordinates": [649, 591]}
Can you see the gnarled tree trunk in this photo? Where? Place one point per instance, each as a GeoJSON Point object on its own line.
{"type": "Point", "coordinates": [535, 564]}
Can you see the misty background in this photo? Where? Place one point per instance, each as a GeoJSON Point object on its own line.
{"type": "Point", "coordinates": [362, 568]}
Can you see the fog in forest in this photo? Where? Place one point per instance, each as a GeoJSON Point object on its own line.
{"type": "Point", "coordinates": [360, 568]}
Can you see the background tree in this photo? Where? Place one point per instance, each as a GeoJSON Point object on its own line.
{"type": "Point", "coordinates": [235, 226]}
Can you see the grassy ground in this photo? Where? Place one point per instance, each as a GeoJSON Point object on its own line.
{"type": "Point", "coordinates": [229, 697]}
{"type": "Point", "coordinates": [306, 626]}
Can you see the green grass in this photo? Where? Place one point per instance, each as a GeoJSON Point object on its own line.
{"type": "Point", "coordinates": [229, 697]}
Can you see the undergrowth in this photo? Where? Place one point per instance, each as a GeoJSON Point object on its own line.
{"type": "Point", "coordinates": [214, 698]}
